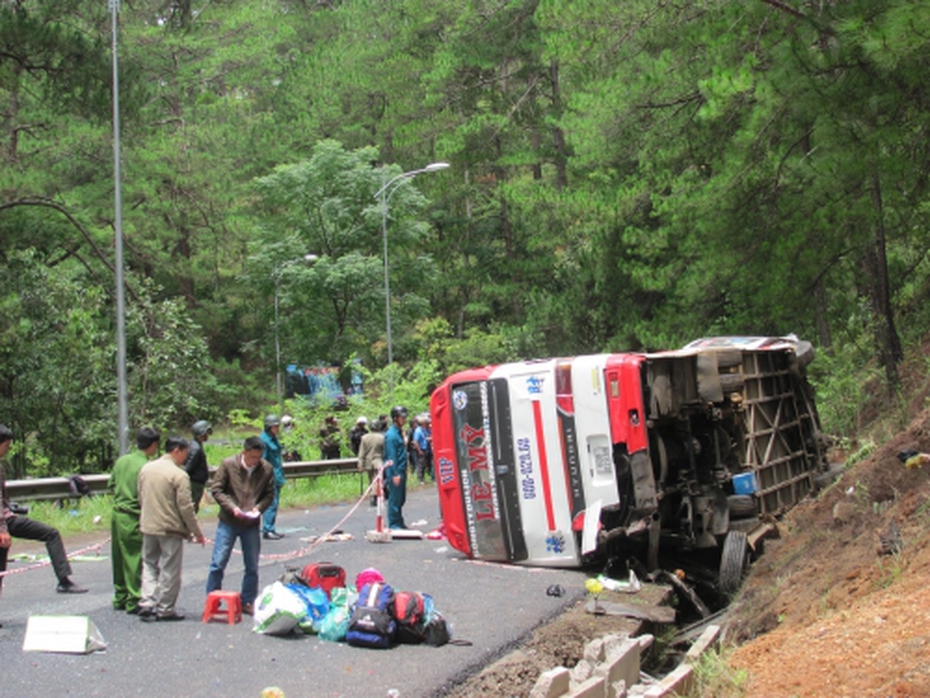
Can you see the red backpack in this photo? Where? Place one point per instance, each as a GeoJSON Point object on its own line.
{"type": "Point", "coordinates": [324, 575]}
{"type": "Point", "coordinates": [409, 610]}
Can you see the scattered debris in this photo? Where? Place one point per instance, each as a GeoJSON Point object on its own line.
{"type": "Point", "coordinates": [337, 537]}
{"type": "Point", "coordinates": [631, 586]}
{"type": "Point", "coordinates": [656, 614]}
{"type": "Point", "coordinates": [890, 540]}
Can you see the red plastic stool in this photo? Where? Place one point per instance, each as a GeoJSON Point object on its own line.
{"type": "Point", "coordinates": [215, 607]}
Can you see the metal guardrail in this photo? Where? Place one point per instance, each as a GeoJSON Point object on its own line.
{"type": "Point", "coordinates": [60, 488]}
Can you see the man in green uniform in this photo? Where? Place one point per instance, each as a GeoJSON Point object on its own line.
{"type": "Point", "coordinates": [126, 544]}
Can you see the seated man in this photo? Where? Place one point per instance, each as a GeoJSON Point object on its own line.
{"type": "Point", "coordinates": [15, 526]}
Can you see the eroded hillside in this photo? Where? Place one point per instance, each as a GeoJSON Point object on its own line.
{"type": "Point", "coordinates": [837, 605]}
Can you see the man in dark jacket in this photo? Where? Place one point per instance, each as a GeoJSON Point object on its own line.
{"type": "Point", "coordinates": [356, 433]}
{"type": "Point", "coordinates": [196, 464]}
{"type": "Point", "coordinates": [244, 488]}
{"type": "Point", "coordinates": [330, 439]}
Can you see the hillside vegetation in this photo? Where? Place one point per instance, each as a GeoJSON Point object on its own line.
{"type": "Point", "coordinates": [621, 176]}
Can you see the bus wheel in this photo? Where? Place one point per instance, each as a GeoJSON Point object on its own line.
{"type": "Point", "coordinates": [733, 561]}
{"type": "Point", "coordinates": [741, 506]}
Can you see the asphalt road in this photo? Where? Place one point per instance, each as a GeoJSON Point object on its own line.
{"type": "Point", "coordinates": [492, 606]}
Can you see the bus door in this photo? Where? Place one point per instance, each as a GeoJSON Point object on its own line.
{"type": "Point", "coordinates": [546, 495]}
{"type": "Point", "coordinates": [592, 425]}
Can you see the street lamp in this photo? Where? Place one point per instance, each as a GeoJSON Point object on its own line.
{"type": "Point", "coordinates": [385, 195]}
{"type": "Point", "coordinates": [122, 392]}
{"type": "Point", "coordinates": [278, 268]}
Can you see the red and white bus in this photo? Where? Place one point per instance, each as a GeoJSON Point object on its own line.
{"type": "Point", "coordinates": [552, 462]}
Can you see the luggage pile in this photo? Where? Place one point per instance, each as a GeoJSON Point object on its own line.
{"type": "Point", "coordinates": [370, 613]}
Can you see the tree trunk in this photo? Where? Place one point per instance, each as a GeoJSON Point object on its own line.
{"type": "Point", "coordinates": [824, 336]}
{"type": "Point", "coordinates": [558, 136]}
{"type": "Point", "coordinates": [875, 263]}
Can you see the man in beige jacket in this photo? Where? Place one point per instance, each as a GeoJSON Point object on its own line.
{"type": "Point", "coordinates": [371, 455]}
{"type": "Point", "coordinates": [167, 520]}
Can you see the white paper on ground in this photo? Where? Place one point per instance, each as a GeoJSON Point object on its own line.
{"type": "Point", "coordinates": [69, 634]}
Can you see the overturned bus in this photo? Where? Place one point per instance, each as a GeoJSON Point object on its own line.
{"type": "Point", "coordinates": [565, 461]}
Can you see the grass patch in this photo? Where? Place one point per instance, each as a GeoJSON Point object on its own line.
{"type": "Point", "coordinates": [890, 569]}
{"type": "Point", "coordinates": [86, 515]}
{"type": "Point", "coordinates": [715, 677]}
{"type": "Point", "coordinates": [326, 489]}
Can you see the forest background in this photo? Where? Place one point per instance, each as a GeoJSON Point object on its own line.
{"type": "Point", "coordinates": [623, 176]}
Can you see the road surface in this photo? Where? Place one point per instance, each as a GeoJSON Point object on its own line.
{"type": "Point", "coordinates": [492, 606]}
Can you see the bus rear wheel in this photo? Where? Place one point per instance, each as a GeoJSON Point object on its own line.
{"type": "Point", "coordinates": [733, 561]}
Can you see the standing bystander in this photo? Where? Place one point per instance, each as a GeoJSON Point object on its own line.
{"type": "Point", "coordinates": [371, 454]}
{"type": "Point", "coordinates": [272, 454]}
{"type": "Point", "coordinates": [167, 519]}
{"type": "Point", "coordinates": [356, 433]}
{"type": "Point", "coordinates": [395, 468]}
{"type": "Point", "coordinates": [423, 443]}
{"type": "Point", "coordinates": [196, 464]}
{"type": "Point", "coordinates": [126, 538]}
{"type": "Point", "coordinates": [412, 424]}
{"type": "Point", "coordinates": [243, 487]}
{"type": "Point", "coordinates": [330, 439]}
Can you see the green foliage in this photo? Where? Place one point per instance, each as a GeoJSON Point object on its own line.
{"type": "Point", "coordinates": [890, 568]}
{"type": "Point", "coordinates": [168, 356]}
{"type": "Point", "coordinates": [864, 450]}
{"type": "Point", "coordinates": [624, 176]}
{"type": "Point", "coordinates": [57, 400]}
{"type": "Point", "coordinates": [715, 677]}
{"type": "Point", "coordinates": [842, 381]}
{"type": "Point", "coordinates": [435, 343]}
{"type": "Point", "coordinates": [325, 206]}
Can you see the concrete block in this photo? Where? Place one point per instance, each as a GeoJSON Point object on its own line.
{"type": "Point", "coordinates": [701, 645]}
{"type": "Point", "coordinates": [617, 690]}
{"type": "Point", "coordinates": [581, 672]}
{"type": "Point", "coordinates": [595, 687]}
{"type": "Point", "coordinates": [621, 664]}
{"type": "Point", "coordinates": [613, 642]}
{"type": "Point", "coordinates": [645, 641]}
{"type": "Point", "coordinates": [678, 683]}
{"type": "Point", "coordinates": [594, 651]}
{"type": "Point", "coordinates": [552, 683]}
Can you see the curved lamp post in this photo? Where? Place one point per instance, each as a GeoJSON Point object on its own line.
{"type": "Point", "coordinates": [278, 268]}
{"type": "Point", "coordinates": [385, 193]}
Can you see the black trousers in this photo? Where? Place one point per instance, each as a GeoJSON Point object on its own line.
{"type": "Point", "coordinates": [24, 527]}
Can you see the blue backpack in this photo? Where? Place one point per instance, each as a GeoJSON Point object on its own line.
{"type": "Point", "coordinates": [371, 623]}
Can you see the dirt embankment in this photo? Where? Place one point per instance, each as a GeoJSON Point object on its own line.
{"type": "Point", "coordinates": [838, 605]}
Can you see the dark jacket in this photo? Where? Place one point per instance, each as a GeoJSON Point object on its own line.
{"type": "Point", "coordinates": [196, 463]}
{"type": "Point", "coordinates": [233, 486]}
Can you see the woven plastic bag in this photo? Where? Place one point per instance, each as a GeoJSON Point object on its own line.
{"type": "Point", "coordinates": [279, 610]}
